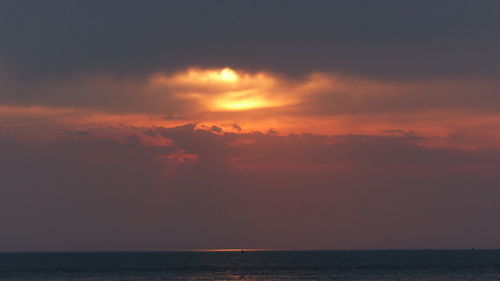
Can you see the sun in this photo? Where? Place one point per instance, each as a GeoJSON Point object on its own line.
{"type": "Point", "coordinates": [228, 75]}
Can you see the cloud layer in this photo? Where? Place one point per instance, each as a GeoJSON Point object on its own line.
{"type": "Point", "coordinates": [262, 124]}
{"type": "Point", "coordinates": [188, 188]}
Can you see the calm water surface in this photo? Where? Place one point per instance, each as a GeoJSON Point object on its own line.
{"type": "Point", "coordinates": [276, 265]}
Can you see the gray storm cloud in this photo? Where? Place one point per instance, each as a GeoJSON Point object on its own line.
{"type": "Point", "coordinates": [385, 39]}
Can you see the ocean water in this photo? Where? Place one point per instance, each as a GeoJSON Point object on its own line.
{"type": "Point", "coordinates": [265, 265]}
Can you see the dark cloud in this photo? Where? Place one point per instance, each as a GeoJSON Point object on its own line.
{"type": "Point", "coordinates": [99, 92]}
{"type": "Point", "coordinates": [396, 131]}
{"type": "Point", "coordinates": [272, 131]}
{"type": "Point", "coordinates": [82, 133]}
{"type": "Point", "coordinates": [389, 39]}
{"type": "Point", "coordinates": [173, 117]}
{"type": "Point", "coordinates": [400, 131]}
{"type": "Point", "coordinates": [237, 127]}
{"type": "Point", "coordinates": [353, 96]}
{"type": "Point", "coordinates": [216, 129]}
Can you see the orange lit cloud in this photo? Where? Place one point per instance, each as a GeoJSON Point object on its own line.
{"type": "Point", "coordinates": [238, 101]}
{"type": "Point", "coordinates": [180, 156]}
{"type": "Point", "coordinates": [228, 90]}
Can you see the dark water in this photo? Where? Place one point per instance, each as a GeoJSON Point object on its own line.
{"type": "Point", "coordinates": [278, 265]}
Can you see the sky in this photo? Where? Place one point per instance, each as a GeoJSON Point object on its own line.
{"type": "Point", "coordinates": [181, 125]}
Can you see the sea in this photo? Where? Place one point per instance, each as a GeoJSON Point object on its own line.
{"type": "Point", "coordinates": [253, 265]}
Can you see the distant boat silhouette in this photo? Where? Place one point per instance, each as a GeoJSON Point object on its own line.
{"type": "Point", "coordinates": [242, 251]}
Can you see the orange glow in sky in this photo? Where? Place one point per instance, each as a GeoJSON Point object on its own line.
{"type": "Point", "coordinates": [226, 89]}
{"type": "Point", "coordinates": [242, 100]}
{"type": "Point", "coordinates": [235, 250]}
{"type": "Point", "coordinates": [262, 101]}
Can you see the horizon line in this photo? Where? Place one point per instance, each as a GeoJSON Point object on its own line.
{"type": "Point", "coordinates": [228, 250]}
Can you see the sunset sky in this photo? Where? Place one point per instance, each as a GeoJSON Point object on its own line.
{"type": "Point", "coordinates": [177, 125]}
